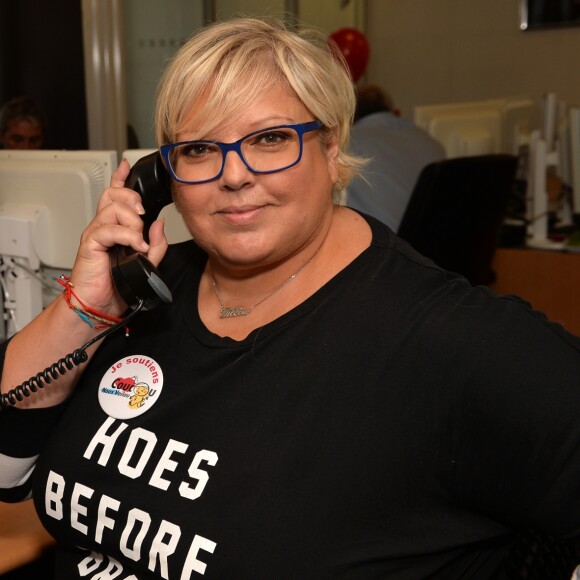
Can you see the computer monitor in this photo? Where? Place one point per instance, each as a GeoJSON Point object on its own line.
{"type": "Point", "coordinates": [47, 198]}
{"type": "Point", "coordinates": [424, 114]}
{"type": "Point", "coordinates": [464, 129]}
{"type": "Point", "coordinates": [479, 127]}
{"type": "Point", "coordinates": [64, 186]}
{"type": "Point", "coordinates": [467, 134]}
{"type": "Point", "coordinates": [520, 118]}
{"type": "Point", "coordinates": [175, 228]}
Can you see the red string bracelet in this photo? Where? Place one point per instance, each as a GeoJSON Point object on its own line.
{"type": "Point", "coordinates": [86, 313]}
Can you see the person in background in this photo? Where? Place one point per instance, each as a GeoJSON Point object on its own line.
{"type": "Point", "coordinates": [22, 124]}
{"type": "Point", "coordinates": [397, 149]}
{"type": "Point", "coordinates": [318, 400]}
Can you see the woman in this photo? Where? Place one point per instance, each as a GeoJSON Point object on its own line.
{"type": "Point", "coordinates": [318, 400]}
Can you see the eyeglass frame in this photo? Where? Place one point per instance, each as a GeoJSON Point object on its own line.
{"type": "Point", "coordinates": [236, 146]}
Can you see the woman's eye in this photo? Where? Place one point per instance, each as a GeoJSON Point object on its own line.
{"type": "Point", "coordinates": [194, 150]}
{"type": "Point", "coordinates": [272, 138]}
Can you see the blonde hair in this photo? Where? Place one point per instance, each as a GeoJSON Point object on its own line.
{"type": "Point", "coordinates": [228, 64]}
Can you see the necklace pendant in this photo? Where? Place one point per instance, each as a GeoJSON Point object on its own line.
{"type": "Point", "coordinates": [227, 312]}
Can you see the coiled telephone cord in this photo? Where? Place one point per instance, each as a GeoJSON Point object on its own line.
{"type": "Point", "coordinates": [59, 368]}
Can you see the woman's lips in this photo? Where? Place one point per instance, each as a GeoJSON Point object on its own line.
{"type": "Point", "coordinates": [241, 215]}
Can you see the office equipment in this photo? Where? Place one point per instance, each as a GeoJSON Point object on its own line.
{"type": "Point", "coordinates": [520, 117]}
{"type": "Point", "coordinates": [467, 128]}
{"type": "Point", "coordinates": [537, 194]}
{"type": "Point", "coordinates": [47, 198]}
{"type": "Point", "coordinates": [468, 133]}
{"type": "Point", "coordinates": [480, 127]}
{"type": "Point", "coordinates": [545, 136]}
{"type": "Point", "coordinates": [552, 190]}
{"type": "Point", "coordinates": [136, 278]}
{"type": "Point", "coordinates": [456, 211]}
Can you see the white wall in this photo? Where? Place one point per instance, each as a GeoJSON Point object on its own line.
{"type": "Point", "coordinates": [153, 31]}
{"type": "Point", "coordinates": [234, 8]}
{"type": "Point", "coordinates": [433, 51]}
{"type": "Point", "coordinates": [330, 15]}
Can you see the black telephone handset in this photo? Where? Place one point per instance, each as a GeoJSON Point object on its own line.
{"type": "Point", "coordinates": [135, 277]}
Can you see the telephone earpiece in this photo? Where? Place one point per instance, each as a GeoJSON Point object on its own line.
{"type": "Point", "coordinates": [135, 277]}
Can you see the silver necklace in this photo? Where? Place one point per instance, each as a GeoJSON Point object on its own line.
{"type": "Point", "coordinates": [235, 311]}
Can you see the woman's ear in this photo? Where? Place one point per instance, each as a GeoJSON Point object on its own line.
{"type": "Point", "coordinates": [332, 154]}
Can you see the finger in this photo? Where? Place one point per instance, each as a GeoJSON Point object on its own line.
{"type": "Point", "coordinates": [121, 195]}
{"type": "Point", "coordinates": [115, 223]}
{"type": "Point", "coordinates": [120, 174]}
{"type": "Point", "coordinates": [103, 237]}
{"type": "Point", "coordinates": [108, 236]}
{"type": "Point", "coordinates": [157, 241]}
{"type": "Point", "coordinates": [118, 180]}
{"type": "Point", "coordinates": [123, 208]}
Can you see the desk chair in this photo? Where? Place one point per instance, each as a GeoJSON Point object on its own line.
{"type": "Point", "coordinates": [456, 210]}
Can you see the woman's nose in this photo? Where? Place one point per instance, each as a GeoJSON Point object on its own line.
{"type": "Point", "coordinates": [235, 173]}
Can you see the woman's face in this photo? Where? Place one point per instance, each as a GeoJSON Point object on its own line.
{"type": "Point", "coordinates": [247, 220]}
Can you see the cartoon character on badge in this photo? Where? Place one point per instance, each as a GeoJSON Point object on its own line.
{"type": "Point", "coordinates": [141, 394]}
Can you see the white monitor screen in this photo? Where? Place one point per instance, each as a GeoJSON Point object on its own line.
{"type": "Point", "coordinates": [478, 132]}
{"type": "Point", "coordinates": [480, 127]}
{"type": "Point", "coordinates": [62, 188]}
{"type": "Point", "coordinates": [424, 114]}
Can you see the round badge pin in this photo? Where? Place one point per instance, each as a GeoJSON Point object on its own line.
{"type": "Point", "coordinates": [131, 386]}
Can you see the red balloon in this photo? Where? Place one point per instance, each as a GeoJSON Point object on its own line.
{"type": "Point", "coordinates": [355, 48]}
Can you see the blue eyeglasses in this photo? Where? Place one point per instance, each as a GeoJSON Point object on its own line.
{"type": "Point", "coordinates": [266, 151]}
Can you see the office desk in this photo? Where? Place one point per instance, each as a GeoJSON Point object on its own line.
{"type": "Point", "coordinates": [22, 537]}
{"type": "Point", "coordinates": [548, 280]}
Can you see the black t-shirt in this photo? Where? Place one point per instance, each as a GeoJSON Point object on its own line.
{"type": "Point", "coordinates": [397, 424]}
